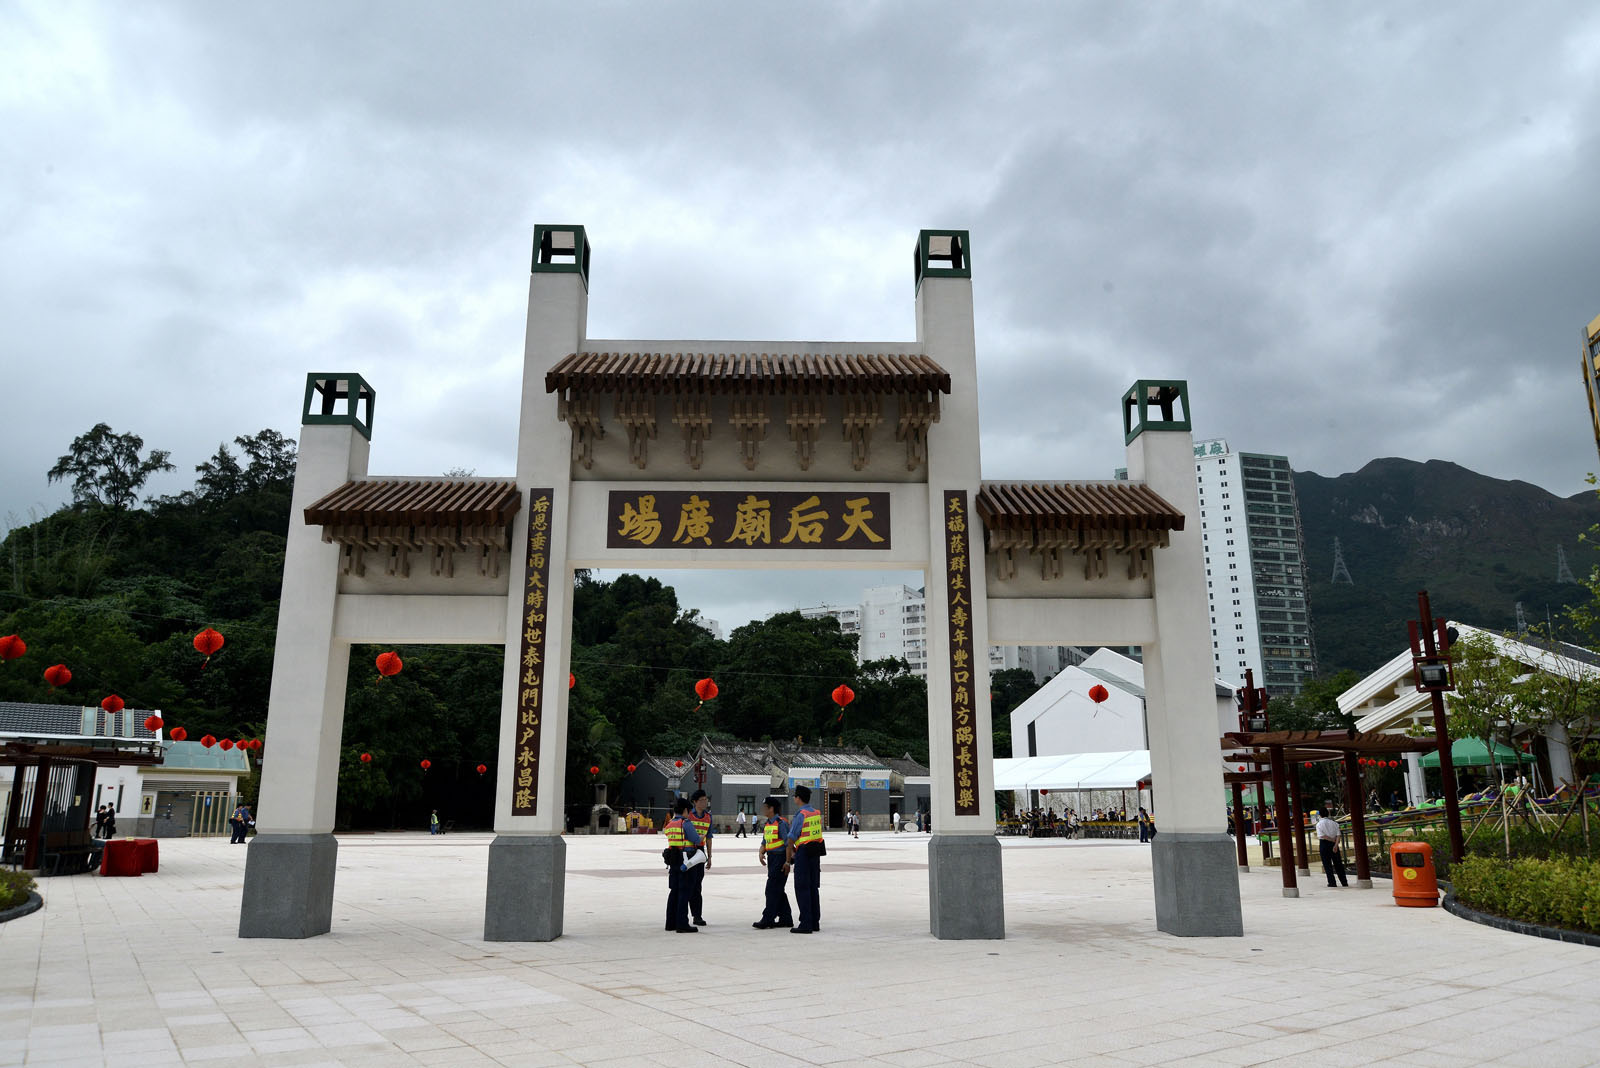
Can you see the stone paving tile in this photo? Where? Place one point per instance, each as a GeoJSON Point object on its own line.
{"type": "Point", "coordinates": [149, 971]}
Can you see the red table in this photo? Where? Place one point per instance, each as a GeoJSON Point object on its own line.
{"type": "Point", "coordinates": [130, 856]}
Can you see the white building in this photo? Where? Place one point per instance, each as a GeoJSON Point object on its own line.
{"type": "Point", "coordinates": [1063, 719]}
{"type": "Point", "coordinates": [891, 621]}
{"type": "Point", "coordinates": [1387, 700]}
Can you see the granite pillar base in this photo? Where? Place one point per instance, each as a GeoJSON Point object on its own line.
{"type": "Point", "coordinates": [966, 897]}
{"type": "Point", "coordinates": [1197, 884]}
{"type": "Point", "coordinates": [288, 886]}
{"type": "Point", "coordinates": [527, 888]}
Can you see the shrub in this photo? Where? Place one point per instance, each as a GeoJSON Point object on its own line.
{"type": "Point", "coordinates": [1560, 892]}
{"type": "Point", "coordinates": [14, 888]}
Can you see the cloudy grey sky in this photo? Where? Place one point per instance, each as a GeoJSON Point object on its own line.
{"type": "Point", "coordinates": [1357, 230]}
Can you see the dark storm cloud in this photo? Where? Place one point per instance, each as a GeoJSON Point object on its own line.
{"type": "Point", "coordinates": [1356, 231]}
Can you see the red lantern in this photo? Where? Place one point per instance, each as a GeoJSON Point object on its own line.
{"type": "Point", "coordinates": [1044, 793]}
{"type": "Point", "coordinates": [11, 647]}
{"type": "Point", "coordinates": [678, 764]}
{"type": "Point", "coordinates": [1308, 763]}
{"type": "Point", "coordinates": [57, 675]}
{"type": "Point", "coordinates": [366, 758]}
{"type": "Point", "coordinates": [1394, 763]}
{"type": "Point", "coordinates": [178, 734]}
{"type": "Point", "coordinates": [1098, 693]}
{"type": "Point", "coordinates": [112, 704]}
{"type": "Point", "coordinates": [572, 680]}
{"type": "Point", "coordinates": [843, 695]}
{"type": "Point", "coordinates": [1241, 767]}
{"type": "Point", "coordinates": [594, 769]}
{"type": "Point", "coordinates": [255, 743]}
{"type": "Point", "coordinates": [226, 744]}
{"type": "Point", "coordinates": [705, 689]}
{"type": "Point", "coordinates": [482, 768]}
{"type": "Point", "coordinates": [207, 742]}
{"type": "Point", "coordinates": [152, 723]}
{"type": "Point", "coordinates": [631, 768]}
{"type": "Point", "coordinates": [207, 642]}
{"type": "Point", "coordinates": [426, 764]}
{"type": "Point", "coordinates": [389, 664]}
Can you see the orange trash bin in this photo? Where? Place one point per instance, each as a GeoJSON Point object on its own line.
{"type": "Point", "coordinates": [1416, 883]}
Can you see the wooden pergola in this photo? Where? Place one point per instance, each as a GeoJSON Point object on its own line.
{"type": "Point", "coordinates": [1279, 755]}
{"type": "Point", "coordinates": [63, 771]}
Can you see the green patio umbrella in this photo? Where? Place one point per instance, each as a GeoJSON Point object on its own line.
{"type": "Point", "coordinates": [1473, 753]}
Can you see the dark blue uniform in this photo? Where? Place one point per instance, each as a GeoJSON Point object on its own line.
{"type": "Point", "coordinates": [777, 912]}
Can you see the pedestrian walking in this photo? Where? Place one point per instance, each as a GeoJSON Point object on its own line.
{"type": "Point", "coordinates": [433, 822]}
{"type": "Point", "coordinates": [739, 822]}
{"type": "Point", "coordinates": [770, 851]}
{"type": "Point", "coordinates": [1328, 845]}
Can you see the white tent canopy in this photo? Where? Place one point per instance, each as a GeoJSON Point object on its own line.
{"type": "Point", "coordinates": [1077, 771]}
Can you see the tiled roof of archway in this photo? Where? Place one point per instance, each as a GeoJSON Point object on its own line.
{"type": "Point", "coordinates": [746, 373]}
{"type": "Point", "coordinates": [1075, 505]}
{"type": "Point", "coordinates": [418, 502]}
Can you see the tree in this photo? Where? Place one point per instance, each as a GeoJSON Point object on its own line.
{"type": "Point", "coordinates": [220, 477]}
{"type": "Point", "coordinates": [1315, 707]}
{"type": "Point", "coordinates": [1488, 696]}
{"type": "Point", "coordinates": [105, 468]}
{"type": "Point", "coordinates": [272, 458]}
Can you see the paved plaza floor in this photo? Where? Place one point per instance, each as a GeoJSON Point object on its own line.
{"type": "Point", "coordinates": [148, 971]}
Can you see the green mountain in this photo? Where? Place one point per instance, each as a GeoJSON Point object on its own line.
{"type": "Point", "coordinates": [1477, 544]}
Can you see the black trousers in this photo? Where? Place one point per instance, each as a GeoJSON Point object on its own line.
{"type": "Point", "coordinates": [1332, 861]}
{"type": "Point", "coordinates": [677, 902]}
{"type": "Point", "coordinates": [777, 907]}
{"type": "Point", "coordinates": [807, 881]}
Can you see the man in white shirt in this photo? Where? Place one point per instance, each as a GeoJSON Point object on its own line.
{"type": "Point", "coordinates": [1328, 844]}
{"type": "Point", "coordinates": [739, 819]}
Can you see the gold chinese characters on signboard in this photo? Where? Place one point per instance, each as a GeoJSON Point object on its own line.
{"type": "Point", "coordinates": [739, 519]}
{"type": "Point", "coordinates": [530, 682]}
{"type": "Point", "coordinates": [963, 693]}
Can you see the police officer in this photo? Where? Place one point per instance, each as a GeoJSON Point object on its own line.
{"type": "Point", "coordinates": [697, 831]}
{"type": "Point", "coordinates": [804, 856]}
{"type": "Point", "coordinates": [771, 851]}
{"type": "Point", "coordinates": [677, 843]}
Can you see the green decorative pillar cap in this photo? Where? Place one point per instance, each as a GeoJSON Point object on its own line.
{"type": "Point", "coordinates": [942, 254]}
{"type": "Point", "coordinates": [1169, 398]}
{"type": "Point", "coordinates": [561, 250]}
{"type": "Point", "coordinates": [340, 398]}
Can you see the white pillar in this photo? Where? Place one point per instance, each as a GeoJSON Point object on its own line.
{"type": "Point", "coordinates": [289, 869]}
{"type": "Point", "coordinates": [1416, 782]}
{"type": "Point", "coordinates": [1192, 858]}
{"type": "Point", "coordinates": [527, 859]}
{"type": "Point", "coordinates": [964, 875]}
{"type": "Point", "coordinates": [1558, 745]}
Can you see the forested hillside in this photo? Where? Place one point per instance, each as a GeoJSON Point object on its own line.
{"type": "Point", "coordinates": [1479, 545]}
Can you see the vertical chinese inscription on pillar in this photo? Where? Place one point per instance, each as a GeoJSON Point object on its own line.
{"type": "Point", "coordinates": [530, 683]}
{"type": "Point", "coordinates": [963, 694]}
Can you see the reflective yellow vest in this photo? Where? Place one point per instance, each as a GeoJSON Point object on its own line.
{"type": "Point", "coordinates": [771, 840]}
{"type": "Point", "coordinates": [701, 824]}
{"type": "Point", "coordinates": [810, 826]}
{"type": "Point", "coordinates": [675, 836]}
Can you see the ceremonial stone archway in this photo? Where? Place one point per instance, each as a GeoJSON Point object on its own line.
{"type": "Point", "coordinates": [714, 454]}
